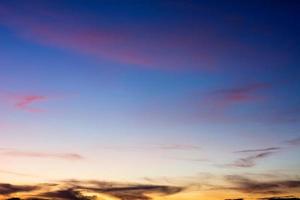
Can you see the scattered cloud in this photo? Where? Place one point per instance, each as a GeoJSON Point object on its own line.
{"type": "Point", "coordinates": [93, 189]}
{"type": "Point", "coordinates": [78, 190]}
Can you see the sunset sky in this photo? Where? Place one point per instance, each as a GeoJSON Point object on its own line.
{"type": "Point", "coordinates": [149, 99]}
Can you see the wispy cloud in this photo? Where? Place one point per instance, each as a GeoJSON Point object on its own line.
{"type": "Point", "coordinates": [294, 142]}
{"type": "Point", "coordinates": [250, 186]}
{"type": "Point", "coordinates": [179, 147]}
{"type": "Point", "coordinates": [14, 173]}
{"type": "Point", "coordinates": [250, 161]}
{"type": "Point", "coordinates": [145, 45]}
{"type": "Point", "coordinates": [258, 150]}
{"type": "Point", "coordinates": [163, 147]}
{"type": "Point", "coordinates": [124, 45]}
{"type": "Point", "coordinates": [25, 102]}
{"type": "Point", "coordinates": [237, 95]}
{"type": "Point", "coordinates": [255, 155]}
{"type": "Point", "coordinates": [19, 153]}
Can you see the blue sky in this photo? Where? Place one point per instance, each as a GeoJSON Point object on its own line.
{"type": "Point", "coordinates": [160, 83]}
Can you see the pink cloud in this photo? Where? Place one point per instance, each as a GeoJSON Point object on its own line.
{"type": "Point", "coordinates": [225, 98]}
{"type": "Point", "coordinates": [225, 105]}
{"type": "Point", "coordinates": [129, 45]}
{"type": "Point", "coordinates": [24, 102]}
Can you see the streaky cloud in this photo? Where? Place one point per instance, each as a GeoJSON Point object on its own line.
{"type": "Point", "coordinates": [19, 153]}
{"type": "Point", "coordinates": [258, 150]}
{"type": "Point", "coordinates": [251, 186]}
{"type": "Point", "coordinates": [225, 98]}
{"type": "Point", "coordinates": [250, 161]}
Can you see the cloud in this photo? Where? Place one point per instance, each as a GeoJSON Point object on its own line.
{"type": "Point", "coordinates": [250, 186]}
{"type": "Point", "coordinates": [67, 194]}
{"type": "Point", "coordinates": [137, 192]}
{"type": "Point", "coordinates": [258, 150]}
{"type": "Point", "coordinates": [18, 153]}
{"type": "Point", "coordinates": [77, 190]}
{"type": "Point", "coordinates": [255, 155]}
{"type": "Point", "coordinates": [69, 31]}
{"type": "Point", "coordinates": [15, 173]}
{"type": "Point", "coordinates": [164, 147]}
{"type": "Point", "coordinates": [190, 159]}
{"type": "Point", "coordinates": [145, 44]}
{"type": "Point", "coordinates": [294, 142]}
{"type": "Point", "coordinates": [179, 147]}
{"type": "Point", "coordinates": [250, 161]}
{"type": "Point", "coordinates": [225, 98]}
{"type": "Point", "coordinates": [227, 105]}
{"type": "Point", "coordinates": [7, 189]}
{"type": "Point", "coordinates": [280, 198]}
{"type": "Point", "coordinates": [235, 199]}
{"type": "Point", "coordinates": [24, 102]}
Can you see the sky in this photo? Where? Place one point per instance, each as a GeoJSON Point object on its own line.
{"type": "Point", "coordinates": [149, 100]}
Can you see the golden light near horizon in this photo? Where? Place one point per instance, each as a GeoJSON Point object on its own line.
{"type": "Point", "coordinates": [149, 100]}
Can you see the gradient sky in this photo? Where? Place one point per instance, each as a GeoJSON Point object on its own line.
{"type": "Point", "coordinates": [199, 96]}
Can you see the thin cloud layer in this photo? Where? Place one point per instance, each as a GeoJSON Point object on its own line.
{"type": "Point", "coordinates": [18, 153]}
{"type": "Point", "coordinates": [145, 44]}
{"type": "Point", "coordinates": [179, 147]}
